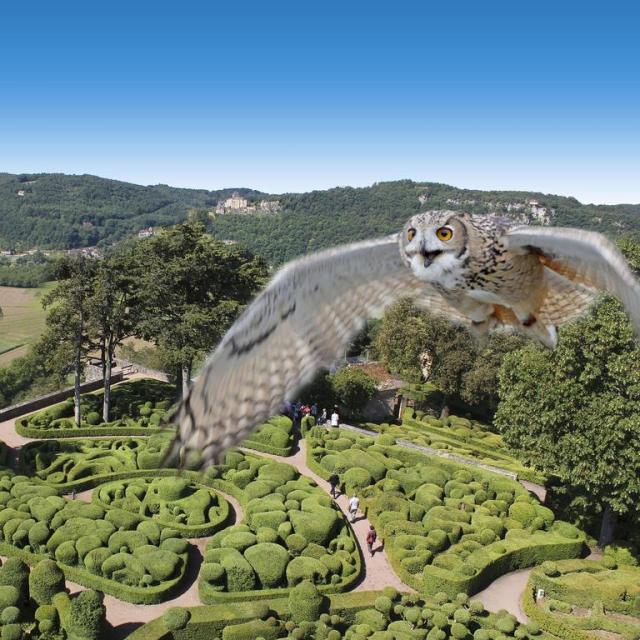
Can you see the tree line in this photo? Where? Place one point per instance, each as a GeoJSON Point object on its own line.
{"type": "Point", "coordinates": [66, 212]}
{"type": "Point", "coordinates": [180, 290]}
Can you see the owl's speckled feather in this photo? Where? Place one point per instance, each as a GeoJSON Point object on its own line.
{"type": "Point", "coordinates": [482, 271]}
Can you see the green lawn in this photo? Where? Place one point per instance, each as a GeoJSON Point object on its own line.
{"type": "Point", "coordinates": [23, 320]}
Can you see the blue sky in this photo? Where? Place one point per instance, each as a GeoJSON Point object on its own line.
{"type": "Point", "coordinates": [292, 96]}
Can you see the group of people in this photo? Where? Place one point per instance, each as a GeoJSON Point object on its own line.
{"type": "Point", "coordinates": [296, 411]}
{"type": "Point", "coordinates": [354, 505]}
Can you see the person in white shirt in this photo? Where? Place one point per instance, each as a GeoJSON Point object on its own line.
{"type": "Point", "coordinates": [354, 503]}
{"type": "Point", "coordinates": [335, 418]}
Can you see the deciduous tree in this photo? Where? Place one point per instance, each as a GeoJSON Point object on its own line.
{"type": "Point", "coordinates": [575, 411]}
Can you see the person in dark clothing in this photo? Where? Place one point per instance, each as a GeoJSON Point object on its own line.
{"type": "Point", "coordinates": [371, 538]}
{"type": "Point", "coordinates": [334, 481]}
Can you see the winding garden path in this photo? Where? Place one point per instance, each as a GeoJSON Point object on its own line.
{"type": "Point", "coordinates": [504, 593]}
{"type": "Point", "coordinates": [377, 572]}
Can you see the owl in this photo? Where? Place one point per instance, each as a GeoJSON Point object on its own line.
{"type": "Point", "coordinates": [478, 270]}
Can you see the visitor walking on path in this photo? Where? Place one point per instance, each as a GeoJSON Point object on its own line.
{"type": "Point", "coordinates": [323, 417]}
{"type": "Point", "coordinates": [354, 503]}
{"type": "Point", "coordinates": [335, 418]}
{"type": "Point", "coordinates": [334, 480]}
{"type": "Point", "coordinates": [371, 538]}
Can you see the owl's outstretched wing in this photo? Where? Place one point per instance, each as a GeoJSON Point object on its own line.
{"type": "Point", "coordinates": [581, 263]}
{"type": "Point", "coordinates": [301, 322]}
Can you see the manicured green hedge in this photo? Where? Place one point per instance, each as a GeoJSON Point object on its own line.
{"type": "Point", "coordinates": [601, 587]}
{"type": "Point", "coordinates": [194, 511]}
{"type": "Point", "coordinates": [446, 526]}
{"type": "Point", "coordinates": [291, 531]}
{"type": "Point", "coordinates": [274, 436]}
{"type": "Point", "coordinates": [106, 549]}
{"type": "Point", "coordinates": [138, 407]}
{"type": "Point", "coordinates": [458, 436]}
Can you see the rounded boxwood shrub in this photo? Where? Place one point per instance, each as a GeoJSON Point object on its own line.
{"type": "Point", "coordinates": [383, 604]}
{"type": "Point", "coordinates": [93, 418]}
{"type": "Point", "coordinates": [45, 580]}
{"type": "Point", "coordinates": [10, 615]}
{"type": "Point", "coordinates": [269, 561]}
{"type": "Point", "coordinates": [175, 618]}
{"type": "Point", "coordinates": [9, 596]}
{"type": "Point", "coordinates": [356, 478]}
{"type": "Point", "coordinates": [306, 569]}
{"type": "Point", "coordinates": [240, 540]}
{"type": "Point", "coordinates": [15, 573]}
{"type": "Point", "coordinates": [86, 615]}
{"type": "Point", "coordinates": [66, 553]}
{"type": "Point", "coordinates": [306, 603]}
{"type": "Point", "coordinates": [11, 632]}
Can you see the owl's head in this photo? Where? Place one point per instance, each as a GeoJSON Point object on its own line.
{"type": "Point", "coordinates": [434, 244]}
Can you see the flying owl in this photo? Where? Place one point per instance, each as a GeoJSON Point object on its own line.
{"type": "Point", "coordinates": [477, 270]}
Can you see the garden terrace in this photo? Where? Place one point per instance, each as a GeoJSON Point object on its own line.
{"type": "Point", "coordinates": [103, 548]}
{"type": "Point", "coordinates": [138, 407]}
{"type": "Point", "coordinates": [459, 436]}
{"type": "Point", "coordinates": [585, 599]}
{"type": "Point", "coordinates": [79, 464]}
{"type": "Point", "coordinates": [34, 602]}
{"type": "Point", "coordinates": [188, 507]}
{"type": "Point", "coordinates": [447, 527]}
{"type": "Point", "coordinates": [292, 531]}
{"type": "Point", "coordinates": [274, 436]}
{"type": "Point", "coordinates": [307, 614]}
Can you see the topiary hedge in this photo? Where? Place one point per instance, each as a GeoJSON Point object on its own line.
{"type": "Point", "coordinates": [137, 408]}
{"type": "Point", "coordinates": [274, 436]}
{"type": "Point", "coordinates": [102, 548]}
{"type": "Point", "coordinates": [292, 531]}
{"type": "Point", "coordinates": [190, 508]}
{"type": "Point", "coordinates": [609, 595]}
{"type": "Point", "coordinates": [446, 527]}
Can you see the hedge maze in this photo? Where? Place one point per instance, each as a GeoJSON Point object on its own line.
{"type": "Point", "coordinates": [190, 508]}
{"type": "Point", "coordinates": [292, 531]}
{"type": "Point", "coordinates": [585, 599]}
{"type": "Point", "coordinates": [137, 408]}
{"type": "Point", "coordinates": [445, 527]}
{"type": "Point", "coordinates": [456, 435]}
{"type": "Point", "coordinates": [108, 549]}
{"type": "Point", "coordinates": [80, 463]}
{"type": "Point", "coordinates": [288, 566]}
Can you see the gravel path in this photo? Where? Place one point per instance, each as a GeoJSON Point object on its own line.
{"type": "Point", "coordinates": [504, 593]}
{"type": "Point", "coordinates": [377, 571]}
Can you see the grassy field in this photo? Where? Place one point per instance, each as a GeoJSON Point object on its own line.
{"type": "Point", "coordinates": [22, 320]}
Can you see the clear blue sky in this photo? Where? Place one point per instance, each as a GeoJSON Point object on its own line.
{"type": "Point", "coordinates": [292, 96]}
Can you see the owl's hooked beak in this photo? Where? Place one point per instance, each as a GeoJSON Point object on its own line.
{"type": "Point", "coordinates": [429, 256]}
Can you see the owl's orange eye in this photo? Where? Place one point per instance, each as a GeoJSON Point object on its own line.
{"type": "Point", "coordinates": [444, 233]}
{"type": "Point", "coordinates": [411, 234]}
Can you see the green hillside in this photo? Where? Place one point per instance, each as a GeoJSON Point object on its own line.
{"type": "Point", "coordinates": [60, 211]}
{"type": "Point", "coordinates": [67, 211]}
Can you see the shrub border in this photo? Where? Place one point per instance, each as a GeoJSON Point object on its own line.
{"type": "Point", "coordinates": [208, 620]}
{"type": "Point", "coordinates": [185, 531]}
{"type": "Point", "coordinates": [134, 595]}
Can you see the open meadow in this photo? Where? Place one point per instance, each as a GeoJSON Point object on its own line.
{"type": "Point", "coordinates": [22, 320]}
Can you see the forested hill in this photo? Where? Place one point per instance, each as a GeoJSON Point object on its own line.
{"type": "Point", "coordinates": [63, 211]}
{"type": "Point", "coordinates": [319, 219]}
{"type": "Point", "coordinates": [58, 211]}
